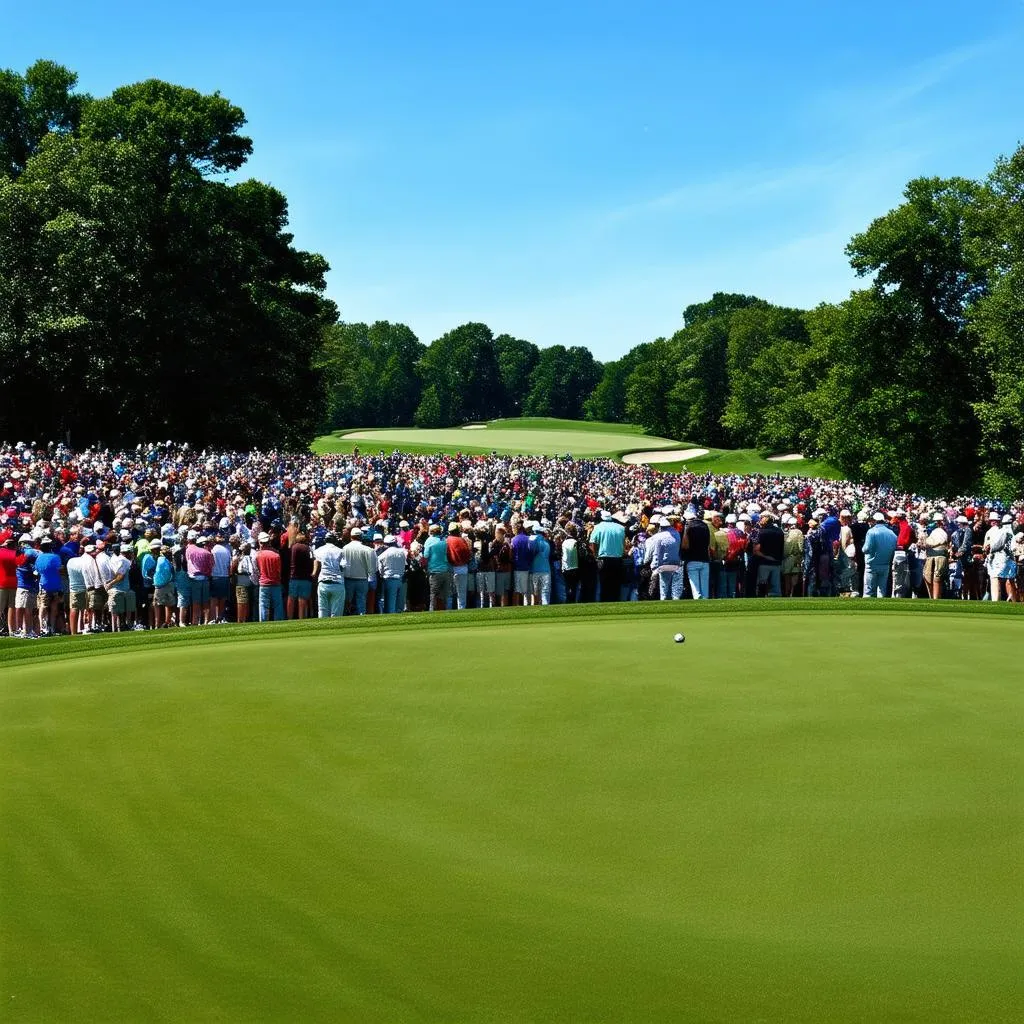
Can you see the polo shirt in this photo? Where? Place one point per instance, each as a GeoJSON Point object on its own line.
{"type": "Point", "coordinates": [609, 538]}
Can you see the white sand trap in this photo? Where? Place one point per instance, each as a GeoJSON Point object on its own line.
{"type": "Point", "coordinates": [792, 457]}
{"type": "Point", "coordinates": [673, 455]}
{"type": "Point", "coordinates": [475, 426]}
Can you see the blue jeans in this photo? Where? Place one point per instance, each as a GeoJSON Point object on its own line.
{"type": "Point", "coordinates": [699, 575]}
{"type": "Point", "coordinates": [355, 591]}
{"type": "Point", "coordinates": [331, 599]}
{"type": "Point", "coordinates": [460, 585]}
{"type": "Point", "coordinates": [876, 582]}
{"type": "Point", "coordinates": [670, 584]}
{"type": "Point", "coordinates": [770, 575]}
{"type": "Point", "coordinates": [392, 592]}
{"type": "Point", "coordinates": [727, 583]}
{"type": "Point", "coordinates": [271, 605]}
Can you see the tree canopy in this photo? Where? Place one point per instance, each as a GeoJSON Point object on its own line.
{"type": "Point", "coordinates": [147, 289]}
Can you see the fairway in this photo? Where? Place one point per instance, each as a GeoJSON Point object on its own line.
{"type": "Point", "coordinates": [794, 816]}
{"type": "Point", "coordinates": [549, 436]}
{"type": "Point", "coordinates": [511, 437]}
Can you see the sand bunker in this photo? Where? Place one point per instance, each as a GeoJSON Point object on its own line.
{"type": "Point", "coordinates": [793, 457]}
{"type": "Point", "coordinates": [475, 426]}
{"type": "Point", "coordinates": [673, 455]}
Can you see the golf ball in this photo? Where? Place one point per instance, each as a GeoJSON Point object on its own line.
{"type": "Point", "coordinates": [679, 638]}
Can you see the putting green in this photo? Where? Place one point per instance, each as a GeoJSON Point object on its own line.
{"type": "Point", "coordinates": [792, 817]}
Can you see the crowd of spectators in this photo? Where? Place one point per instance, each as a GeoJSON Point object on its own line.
{"type": "Point", "coordinates": [165, 536]}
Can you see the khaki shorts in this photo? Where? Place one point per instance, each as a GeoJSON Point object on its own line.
{"type": "Point", "coordinates": [118, 602]}
{"type": "Point", "coordinates": [47, 599]}
{"type": "Point", "coordinates": [6, 599]}
{"type": "Point", "coordinates": [165, 596]}
{"type": "Point", "coordinates": [241, 595]}
{"type": "Point", "coordinates": [935, 567]}
{"type": "Point", "coordinates": [131, 604]}
{"type": "Point", "coordinates": [79, 600]}
{"type": "Point", "coordinates": [97, 600]}
{"type": "Point", "coordinates": [24, 599]}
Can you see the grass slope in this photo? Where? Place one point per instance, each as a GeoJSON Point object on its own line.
{"type": "Point", "coordinates": [794, 816]}
{"type": "Point", "coordinates": [550, 436]}
{"type": "Point", "coordinates": [508, 437]}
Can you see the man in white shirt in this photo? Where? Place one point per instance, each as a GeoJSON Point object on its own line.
{"type": "Point", "coordinates": [78, 593]}
{"type": "Point", "coordinates": [360, 565]}
{"type": "Point", "coordinates": [391, 563]}
{"type": "Point", "coordinates": [329, 574]}
{"type": "Point", "coordinates": [936, 556]}
{"type": "Point", "coordinates": [220, 584]}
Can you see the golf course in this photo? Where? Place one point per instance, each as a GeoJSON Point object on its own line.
{"type": "Point", "coordinates": [806, 812]}
{"type": "Point", "coordinates": [579, 438]}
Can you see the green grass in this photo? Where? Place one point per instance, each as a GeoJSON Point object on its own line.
{"type": "Point", "coordinates": [550, 436]}
{"type": "Point", "coordinates": [747, 461]}
{"type": "Point", "coordinates": [508, 437]}
{"type": "Point", "coordinates": [540, 814]}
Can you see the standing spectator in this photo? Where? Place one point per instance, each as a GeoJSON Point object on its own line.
{"type": "Point", "coordinates": [936, 551]}
{"type": "Point", "coordinates": [719, 549]}
{"type": "Point", "coordinates": [879, 550]}
{"type": "Point", "coordinates": [793, 556]}
{"type": "Point", "coordinates": [459, 556]}
{"type": "Point", "coordinates": [435, 553]}
{"type": "Point", "coordinates": [78, 595]}
{"type": "Point", "coordinates": [330, 577]}
{"type": "Point", "coordinates": [901, 574]}
{"type": "Point", "coordinates": [1002, 569]}
{"type": "Point", "coordinates": [94, 588]}
{"type": "Point", "coordinates": [268, 568]}
{"type": "Point", "coordinates": [608, 543]}
{"type": "Point", "coordinates": [360, 565]}
{"type": "Point", "coordinates": [571, 563]}
{"type": "Point", "coordinates": [8, 585]}
{"type": "Point", "coordinates": [962, 553]}
{"type": "Point", "coordinates": [300, 580]}
{"type": "Point", "coordinates": [540, 567]}
{"type": "Point", "coordinates": [522, 559]}
{"type": "Point", "coordinates": [696, 548]}
{"type": "Point", "coordinates": [502, 552]}
{"type": "Point", "coordinates": [770, 551]}
{"type": "Point", "coordinates": [118, 588]}
{"type": "Point", "coordinates": [182, 585]}
{"type": "Point", "coordinates": [51, 586]}
{"type": "Point", "coordinates": [26, 597]}
{"type": "Point", "coordinates": [220, 579]}
{"type": "Point", "coordinates": [391, 563]}
{"type": "Point", "coordinates": [163, 586]}
{"type": "Point", "coordinates": [662, 554]}
{"type": "Point", "coordinates": [199, 560]}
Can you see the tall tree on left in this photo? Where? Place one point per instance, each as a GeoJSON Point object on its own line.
{"type": "Point", "coordinates": [141, 296]}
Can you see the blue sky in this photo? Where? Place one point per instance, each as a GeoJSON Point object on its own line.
{"type": "Point", "coordinates": [573, 173]}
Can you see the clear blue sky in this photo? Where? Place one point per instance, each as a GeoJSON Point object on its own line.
{"type": "Point", "coordinates": [573, 173]}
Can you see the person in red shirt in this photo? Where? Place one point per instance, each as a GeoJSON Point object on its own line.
{"type": "Point", "coordinates": [8, 583]}
{"type": "Point", "coordinates": [459, 557]}
{"type": "Point", "coordinates": [268, 569]}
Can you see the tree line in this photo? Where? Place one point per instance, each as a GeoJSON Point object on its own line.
{"type": "Point", "coordinates": [146, 291]}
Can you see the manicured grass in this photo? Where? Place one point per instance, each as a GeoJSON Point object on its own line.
{"type": "Point", "coordinates": [549, 436]}
{"type": "Point", "coordinates": [746, 461]}
{"type": "Point", "coordinates": [508, 437]}
{"type": "Point", "coordinates": [550, 814]}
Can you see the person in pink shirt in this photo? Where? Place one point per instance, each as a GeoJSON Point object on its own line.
{"type": "Point", "coordinates": [199, 563]}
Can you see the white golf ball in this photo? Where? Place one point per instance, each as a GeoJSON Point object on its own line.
{"type": "Point", "coordinates": [679, 638]}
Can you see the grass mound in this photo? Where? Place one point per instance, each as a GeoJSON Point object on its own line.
{"type": "Point", "coordinates": [549, 814]}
